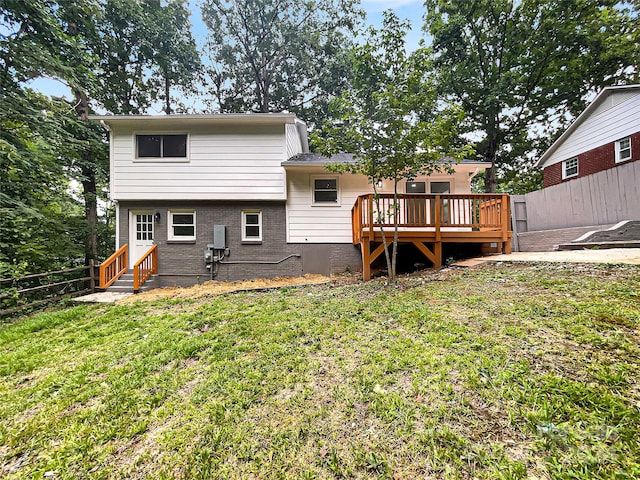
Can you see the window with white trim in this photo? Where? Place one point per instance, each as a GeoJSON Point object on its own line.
{"type": "Point", "coordinates": [161, 146]}
{"type": "Point", "coordinates": [623, 149]}
{"type": "Point", "coordinates": [570, 168]}
{"type": "Point", "coordinates": [252, 226]}
{"type": "Point", "coordinates": [182, 225]}
{"type": "Point", "coordinates": [325, 191]}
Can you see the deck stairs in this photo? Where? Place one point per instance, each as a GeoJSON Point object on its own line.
{"type": "Point", "coordinates": [125, 284]}
{"type": "Point", "coordinates": [623, 235]}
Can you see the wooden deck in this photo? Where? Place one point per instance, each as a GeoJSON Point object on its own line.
{"type": "Point", "coordinates": [428, 221]}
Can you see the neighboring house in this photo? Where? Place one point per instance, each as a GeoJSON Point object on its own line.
{"type": "Point", "coordinates": [236, 196]}
{"type": "Point", "coordinates": [604, 136]}
{"type": "Point", "coordinates": [591, 175]}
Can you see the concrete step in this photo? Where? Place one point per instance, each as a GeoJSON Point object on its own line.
{"type": "Point", "coordinates": [125, 284]}
{"type": "Point", "coordinates": [599, 245]}
{"type": "Point", "coordinates": [622, 235]}
{"type": "Point", "coordinates": [548, 240]}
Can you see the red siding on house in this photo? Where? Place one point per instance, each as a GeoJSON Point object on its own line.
{"type": "Point", "coordinates": [593, 161]}
{"type": "Point", "coordinates": [552, 175]}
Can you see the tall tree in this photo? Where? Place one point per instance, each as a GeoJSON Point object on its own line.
{"type": "Point", "coordinates": [279, 55]}
{"type": "Point", "coordinates": [39, 224]}
{"type": "Point", "coordinates": [513, 65]}
{"type": "Point", "coordinates": [143, 50]}
{"type": "Point", "coordinates": [391, 120]}
{"type": "Point", "coordinates": [121, 54]}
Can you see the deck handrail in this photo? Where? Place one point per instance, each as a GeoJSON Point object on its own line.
{"type": "Point", "coordinates": [146, 266]}
{"type": "Point", "coordinates": [114, 267]}
{"type": "Point", "coordinates": [432, 211]}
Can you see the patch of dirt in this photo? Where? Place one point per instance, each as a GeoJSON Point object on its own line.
{"type": "Point", "coordinates": [214, 287]}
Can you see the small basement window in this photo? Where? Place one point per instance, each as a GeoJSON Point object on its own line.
{"type": "Point", "coordinates": [252, 226]}
{"type": "Point", "coordinates": [570, 168]}
{"type": "Point", "coordinates": [161, 146]}
{"type": "Point", "coordinates": [325, 191]}
{"type": "Point", "coordinates": [623, 149]}
{"type": "Point", "coordinates": [182, 225]}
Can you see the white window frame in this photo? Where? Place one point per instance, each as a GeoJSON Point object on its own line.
{"type": "Point", "coordinates": [180, 238]}
{"type": "Point", "coordinates": [619, 150]}
{"type": "Point", "coordinates": [565, 164]}
{"type": "Point", "coordinates": [161, 159]}
{"type": "Point", "coordinates": [313, 190]}
{"type": "Point", "coordinates": [246, 238]}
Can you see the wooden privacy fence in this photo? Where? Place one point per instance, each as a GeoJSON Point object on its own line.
{"type": "Point", "coordinates": [32, 291]}
{"type": "Point", "coordinates": [602, 198]}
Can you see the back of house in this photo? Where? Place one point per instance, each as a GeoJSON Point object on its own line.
{"type": "Point", "coordinates": [238, 196]}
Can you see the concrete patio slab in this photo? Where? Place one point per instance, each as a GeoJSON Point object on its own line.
{"type": "Point", "coordinates": [102, 297]}
{"type": "Point", "coordinates": [629, 256]}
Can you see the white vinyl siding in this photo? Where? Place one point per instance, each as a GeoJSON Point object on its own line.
{"type": "Point", "coordinates": [617, 122]}
{"type": "Point", "coordinates": [623, 149]}
{"type": "Point", "coordinates": [308, 223]}
{"type": "Point", "coordinates": [294, 145]}
{"type": "Point", "coordinates": [225, 163]}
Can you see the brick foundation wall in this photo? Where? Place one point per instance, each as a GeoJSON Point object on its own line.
{"type": "Point", "coordinates": [593, 161]}
{"type": "Point", "coordinates": [183, 263]}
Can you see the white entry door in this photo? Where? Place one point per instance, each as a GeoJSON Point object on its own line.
{"type": "Point", "coordinates": [140, 234]}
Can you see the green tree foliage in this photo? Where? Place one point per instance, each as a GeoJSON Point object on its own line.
{"type": "Point", "coordinates": [41, 225]}
{"type": "Point", "coordinates": [143, 49]}
{"type": "Point", "coordinates": [275, 56]}
{"type": "Point", "coordinates": [522, 69]}
{"type": "Point", "coordinates": [123, 55]}
{"type": "Point", "coordinates": [391, 119]}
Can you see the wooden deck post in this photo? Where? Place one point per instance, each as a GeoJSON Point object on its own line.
{"type": "Point", "coordinates": [366, 263]}
{"type": "Point", "coordinates": [437, 252]}
{"type": "Point", "coordinates": [92, 275]}
{"type": "Point", "coordinates": [437, 246]}
{"type": "Point", "coordinates": [505, 222]}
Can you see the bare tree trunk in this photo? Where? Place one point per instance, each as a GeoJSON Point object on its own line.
{"type": "Point", "coordinates": [490, 180]}
{"type": "Point", "coordinates": [167, 93]}
{"type": "Point", "coordinates": [89, 190]}
{"type": "Point", "coordinates": [380, 220]}
{"type": "Point", "coordinates": [89, 193]}
{"type": "Point", "coordinates": [490, 152]}
{"type": "Point", "coordinates": [394, 256]}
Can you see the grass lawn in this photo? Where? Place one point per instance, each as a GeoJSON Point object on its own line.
{"type": "Point", "coordinates": [529, 371]}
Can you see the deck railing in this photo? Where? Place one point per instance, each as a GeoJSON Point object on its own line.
{"type": "Point", "coordinates": [114, 267]}
{"type": "Point", "coordinates": [145, 267]}
{"type": "Point", "coordinates": [430, 212]}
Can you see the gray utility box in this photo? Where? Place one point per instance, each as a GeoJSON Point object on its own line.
{"type": "Point", "coordinates": [219, 237]}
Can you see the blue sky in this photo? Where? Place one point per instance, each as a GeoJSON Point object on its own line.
{"type": "Point", "coordinates": [411, 10]}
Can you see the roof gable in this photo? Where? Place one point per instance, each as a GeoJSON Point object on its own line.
{"type": "Point", "coordinates": [606, 100]}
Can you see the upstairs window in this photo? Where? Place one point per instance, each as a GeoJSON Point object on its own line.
{"type": "Point", "coordinates": [161, 146]}
{"type": "Point", "coordinates": [182, 225]}
{"type": "Point", "coordinates": [252, 226]}
{"type": "Point", "coordinates": [325, 191]}
{"type": "Point", "coordinates": [623, 149]}
{"type": "Point", "coordinates": [570, 168]}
